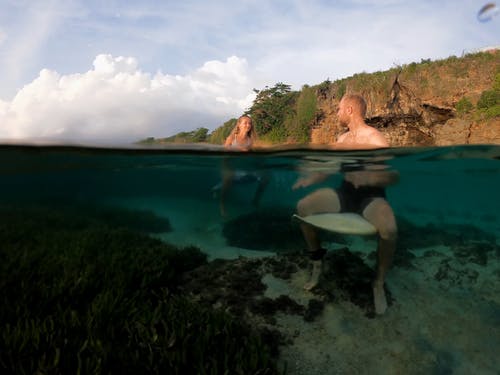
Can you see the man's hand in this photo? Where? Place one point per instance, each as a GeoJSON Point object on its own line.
{"type": "Point", "coordinates": [303, 182]}
{"type": "Point", "coordinates": [300, 183]}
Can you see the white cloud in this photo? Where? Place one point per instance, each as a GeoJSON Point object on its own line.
{"type": "Point", "coordinates": [3, 36]}
{"type": "Point", "coordinates": [117, 102]}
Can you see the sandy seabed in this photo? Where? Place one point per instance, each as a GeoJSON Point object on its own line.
{"type": "Point", "coordinates": [444, 317]}
{"type": "Point", "coordinates": [426, 330]}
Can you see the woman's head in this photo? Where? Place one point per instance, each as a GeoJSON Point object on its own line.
{"type": "Point", "coordinates": [243, 131]}
{"type": "Point", "coordinates": [244, 125]}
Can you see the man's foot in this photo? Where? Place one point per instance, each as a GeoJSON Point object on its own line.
{"type": "Point", "coordinates": [316, 272]}
{"type": "Point", "coordinates": [379, 299]}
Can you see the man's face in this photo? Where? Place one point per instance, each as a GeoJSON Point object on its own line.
{"type": "Point", "coordinates": [342, 114]}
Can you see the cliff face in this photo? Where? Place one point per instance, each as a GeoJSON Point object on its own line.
{"type": "Point", "coordinates": [416, 105]}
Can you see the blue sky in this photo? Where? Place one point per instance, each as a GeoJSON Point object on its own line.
{"type": "Point", "coordinates": [124, 70]}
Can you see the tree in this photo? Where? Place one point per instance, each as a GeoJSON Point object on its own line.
{"type": "Point", "coordinates": [219, 135]}
{"type": "Point", "coordinates": [305, 113]}
{"type": "Point", "coordinates": [270, 108]}
{"type": "Point", "coordinates": [199, 135]}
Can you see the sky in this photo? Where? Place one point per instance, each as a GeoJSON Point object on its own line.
{"type": "Point", "coordinates": [87, 71]}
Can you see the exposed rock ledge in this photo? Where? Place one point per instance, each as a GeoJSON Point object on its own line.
{"type": "Point", "coordinates": [413, 112]}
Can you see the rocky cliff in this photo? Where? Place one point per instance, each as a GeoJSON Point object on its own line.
{"type": "Point", "coordinates": [420, 104]}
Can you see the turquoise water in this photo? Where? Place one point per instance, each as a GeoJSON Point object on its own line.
{"type": "Point", "coordinates": [459, 184]}
{"type": "Point", "coordinates": [446, 202]}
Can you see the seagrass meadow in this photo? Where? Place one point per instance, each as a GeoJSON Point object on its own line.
{"type": "Point", "coordinates": [84, 290]}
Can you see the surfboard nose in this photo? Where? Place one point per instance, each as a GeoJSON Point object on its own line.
{"type": "Point", "coordinates": [346, 223]}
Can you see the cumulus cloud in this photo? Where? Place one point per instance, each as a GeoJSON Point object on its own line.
{"type": "Point", "coordinates": [117, 102]}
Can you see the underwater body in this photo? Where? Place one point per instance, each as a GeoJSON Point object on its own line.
{"type": "Point", "coordinates": [119, 260]}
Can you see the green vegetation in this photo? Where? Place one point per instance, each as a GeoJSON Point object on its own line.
{"type": "Point", "coordinates": [341, 88]}
{"type": "Point", "coordinates": [219, 135]}
{"type": "Point", "coordinates": [81, 294]}
{"type": "Point", "coordinates": [195, 136]}
{"type": "Point", "coordinates": [378, 82]}
{"type": "Point", "coordinates": [305, 114]}
{"type": "Point", "coordinates": [488, 99]}
{"type": "Point", "coordinates": [270, 109]}
{"type": "Point", "coordinates": [489, 102]}
{"type": "Point", "coordinates": [464, 106]}
{"type": "Point", "coordinates": [281, 115]}
{"type": "Point", "coordinates": [324, 88]}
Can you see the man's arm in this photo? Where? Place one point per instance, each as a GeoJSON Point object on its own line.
{"type": "Point", "coordinates": [312, 179]}
{"type": "Point", "coordinates": [380, 178]}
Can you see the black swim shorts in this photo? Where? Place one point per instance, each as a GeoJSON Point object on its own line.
{"type": "Point", "coordinates": [354, 199]}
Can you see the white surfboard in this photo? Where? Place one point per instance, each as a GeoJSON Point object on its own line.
{"type": "Point", "coordinates": [346, 223]}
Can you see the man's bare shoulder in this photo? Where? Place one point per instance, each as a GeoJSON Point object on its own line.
{"type": "Point", "coordinates": [375, 137]}
{"type": "Point", "coordinates": [369, 137]}
{"type": "Point", "coordinates": [342, 137]}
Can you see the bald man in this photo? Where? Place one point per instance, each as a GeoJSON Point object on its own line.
{"type": "Point", "coordinates": [361, 191]}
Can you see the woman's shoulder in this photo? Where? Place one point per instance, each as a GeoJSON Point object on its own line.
{"type": "Point", "coordinates": [247, 142]}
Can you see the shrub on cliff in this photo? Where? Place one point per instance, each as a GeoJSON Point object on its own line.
{"type": "Point", "coordinates": [464, 106]}
{"type": "Point", "coordinates": [489, 102]}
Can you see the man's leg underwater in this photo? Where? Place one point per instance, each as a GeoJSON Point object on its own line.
{"type": "Point", "coordinates": [227, 181]}
{"type": "Point", "coordinates": [381, 215]}
{"type": "Point", "coordinates": [262, 185]}
{"type": "Point", "coordinates": [319, 201]}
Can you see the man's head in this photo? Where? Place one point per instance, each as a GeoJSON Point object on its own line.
{"type": "Point", "coordinates": [351, 106]}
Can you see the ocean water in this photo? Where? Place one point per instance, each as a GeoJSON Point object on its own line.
{"type": "Point", "coordinates": [458, 184]}
{"type": "Point", "coordinates": [445, 280]}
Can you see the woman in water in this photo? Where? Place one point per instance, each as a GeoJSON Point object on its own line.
{"type": "Point", "coordinates": [241, 138]}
